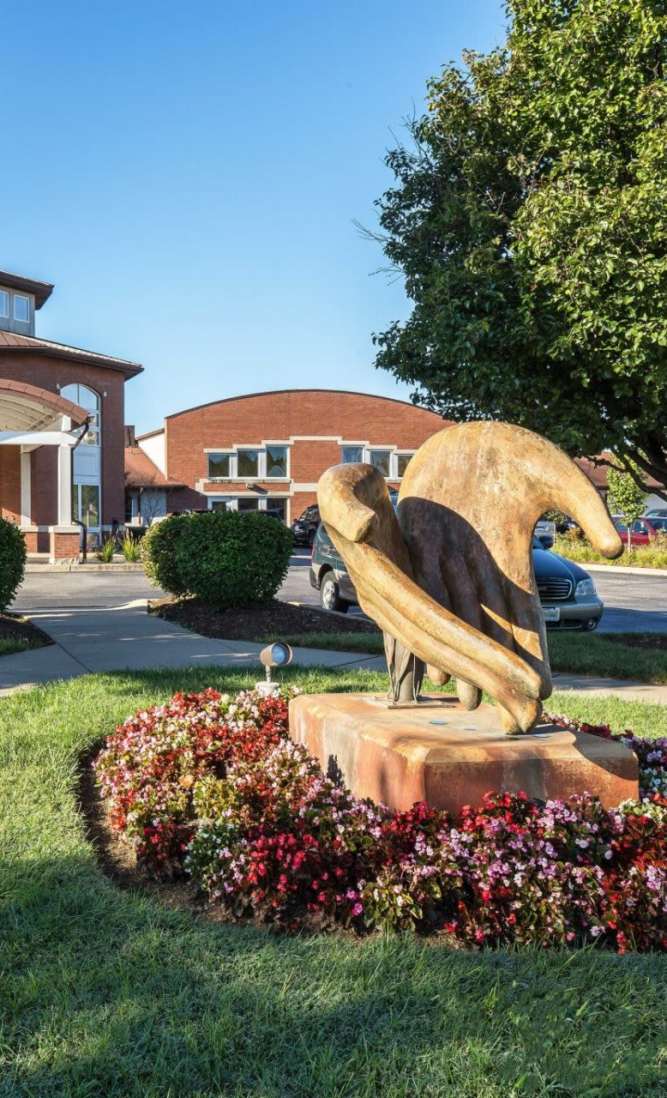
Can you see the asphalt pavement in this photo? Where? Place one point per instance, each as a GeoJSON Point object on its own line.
{"type": "Point", "coordinates": [632, 603]}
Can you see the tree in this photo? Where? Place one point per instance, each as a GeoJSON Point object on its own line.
{"type": "Point", "coordinates": [625, 497]}
{"type": "Point", "coordinates": [529, 223]}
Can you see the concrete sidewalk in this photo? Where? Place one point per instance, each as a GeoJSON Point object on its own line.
{"type": "Point", "coordinates": [125, 637]}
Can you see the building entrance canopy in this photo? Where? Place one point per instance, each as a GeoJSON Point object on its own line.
{"type": "Point", "coordinates": [37, 417]}
{"type": "Point", "coordinates": [31, 417]}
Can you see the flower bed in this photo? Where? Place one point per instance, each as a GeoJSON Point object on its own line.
{"type": "Point", "coordinates": [212, 787]}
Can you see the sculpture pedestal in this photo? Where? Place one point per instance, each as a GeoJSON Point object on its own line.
{"type": "Point", "coordinates": [449, 757]}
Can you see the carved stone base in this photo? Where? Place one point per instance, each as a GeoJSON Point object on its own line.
{"type": "Point", "coordinates": [449, 756]}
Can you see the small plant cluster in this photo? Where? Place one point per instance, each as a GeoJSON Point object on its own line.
{"type": "Point", "coordinates": [211, 786]}
{"type": "Point", "coordinates": [12, 561]}
{"type": "Point", "coordinates": [574, 546]}
{"type": "Point", "coordinates": [225, 558]}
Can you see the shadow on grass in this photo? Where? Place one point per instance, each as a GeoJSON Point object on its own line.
{"type": "Point", "coordinates": [106, 992]}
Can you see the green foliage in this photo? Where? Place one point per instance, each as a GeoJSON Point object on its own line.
{"type": "Point", "coordinates": [106, 551]}
{"type": "Point", "coordinates": [625, 497]}
{"type": "Point", "coordinates": [130, 549]}
{"type": "Point", "coordinates": [119, 992]}
{"type": "Point", "coordinates": [637, 556]}
{"type": "Point", "coordinates": [225, 558]}
{"type": "Point", "coordinates": [529, 223]}
{"type": "Point", "coordinates": [12, 561]}
{"type": "Point", "coordinates": [158, 553]}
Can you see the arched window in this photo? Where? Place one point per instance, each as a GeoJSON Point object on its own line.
{"type": "Point", "coordinates": [90, 400]}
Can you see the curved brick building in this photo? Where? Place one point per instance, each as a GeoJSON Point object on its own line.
{"type": "Point", "coordinates": [61, 428]}
{"type": "Point", "coordinates": [268, 450]}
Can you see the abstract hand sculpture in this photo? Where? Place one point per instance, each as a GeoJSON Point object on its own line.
{"type": "Point", "coordinates": [449, 578]}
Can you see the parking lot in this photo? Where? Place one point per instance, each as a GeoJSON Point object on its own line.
{"type": "Point", "coordinates": [633, 604]}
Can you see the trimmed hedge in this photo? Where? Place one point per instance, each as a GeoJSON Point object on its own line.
{"type": "Point", "coordinates": [12, 562]}
{"type": "Point", "coordinates": [225, 558]}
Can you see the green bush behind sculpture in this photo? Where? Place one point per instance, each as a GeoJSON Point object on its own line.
{"type": "Point", "coordinates": [12, 561]}
{"type": "Point", "coordinates": [225, 558]}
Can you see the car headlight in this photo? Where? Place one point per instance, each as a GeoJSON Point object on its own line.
{"type": "Point", "coordinates": [585, 589]}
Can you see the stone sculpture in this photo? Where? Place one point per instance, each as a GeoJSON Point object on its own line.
{"type": "Point", "coordinates": [448, 576]}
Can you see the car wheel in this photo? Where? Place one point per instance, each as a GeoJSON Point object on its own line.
{"type": "Point", "coordinates": [330, 595]}
{"type": "Point", "coordinates": [591, 624]}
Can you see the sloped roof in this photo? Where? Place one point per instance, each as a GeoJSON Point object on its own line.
{"type": "Point", "coordinates": [11, 342]}
{"type": "Point", "coordinates": [42, 290]}
{"type": "Point", "coordinates": [598, 473]}
{"type": "Point", "coordinates": [141, 472]}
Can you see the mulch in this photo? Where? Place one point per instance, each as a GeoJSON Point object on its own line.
{"type": "Point", "coordinates": [13, 626]}
{"type": "Point", "coordinates": [275, 619]}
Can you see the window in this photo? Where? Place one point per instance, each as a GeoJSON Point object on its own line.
{"type": "Point", "coordinates": [276, 461]}
{"type": "Point", "coordinates": [350, 454]}
{"type": "Point", "coordinates": [219, 465]}
{"type": "Point", "coordinates": [250, 504]}
{"type": "Point", "coordinates": [277, 507]}
{"type": "Point", "coordinates": [380, 459]}
{"type": "Point", "coordinates": [402, 461]}
{"type": "Point", "coordinates": [248, 463]}
{"type": "Point", "coordinates": [90, 400]}
{"type": "Point", "coordinates": [4, 303]}
{"type": "Point", "coordinates": [86, 503]}
{"type": "Point", "coordinates": [21, 308]}
{"type": "Point", "coordinates": [220, 505]}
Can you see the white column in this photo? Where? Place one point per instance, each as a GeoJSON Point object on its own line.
{"type": "Point", "coordinates": [64, 486]}
{"type": "Point", "coordinates": [26, 489]}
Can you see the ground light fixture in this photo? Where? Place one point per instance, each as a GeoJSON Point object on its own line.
{"type": "Point", "coordinates": [277, 654]}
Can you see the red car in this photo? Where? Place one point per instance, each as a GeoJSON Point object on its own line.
{"type": "Point", "coordinates": [643, 531]}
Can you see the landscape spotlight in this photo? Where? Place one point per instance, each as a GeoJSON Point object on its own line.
{"type": "Point", "coordinates": [277, 654]}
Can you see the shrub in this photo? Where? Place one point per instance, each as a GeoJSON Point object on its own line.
{"type": "Point", "coordinates": [12, 561]}
{"type": "Point", "coordinates": [158, 553]}
{"type": "Point", "coordinates": [213, 787]}
{"type": "Point", "coordinates": [106, 550]}
{"type": "Point", "coordinates": [130, 548]}
{"type": "Point", "coordinates": [225, 558]}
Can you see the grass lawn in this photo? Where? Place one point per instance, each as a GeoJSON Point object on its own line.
{"type": "Point", "coordinates": [9, 645]}
{"type": "Point", "coordinates": [109, 992]}
{"type": "Point", "coordinates": [579, 653]}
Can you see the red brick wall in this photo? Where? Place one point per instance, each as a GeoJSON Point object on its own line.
{"type": "Point", "coordinates": [353, 417]}
{"type": "Point", "coordinates": [47, 373]}
{"type": "Point", "coordinates": [10, 483]}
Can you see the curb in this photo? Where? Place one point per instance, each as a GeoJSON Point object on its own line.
{"type": "Point", "coordinates": [60, 568]}
{"type": "Point", "coordinates": [621, 570]}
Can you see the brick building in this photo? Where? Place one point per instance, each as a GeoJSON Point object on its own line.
{"type": "Point", "coordinates": [61, 428]}
{"type": "Point", "coordinates": [266, 451]}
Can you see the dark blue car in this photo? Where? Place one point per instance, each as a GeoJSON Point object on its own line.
{"type": "Point", "coordinates": [567, 592]}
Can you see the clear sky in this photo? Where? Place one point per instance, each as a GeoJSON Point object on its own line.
{"type": "Point", "coordinates": [188, 175]}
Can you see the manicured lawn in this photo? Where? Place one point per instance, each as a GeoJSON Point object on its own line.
{"type": "Point", "coordinates": [339, 642]}
{"type": "Point", "coordinates": [599, 654]}
{"type": "Point", "coordinates": [578, 653]}
{"type": "Point", "coordinates": [109, 992]}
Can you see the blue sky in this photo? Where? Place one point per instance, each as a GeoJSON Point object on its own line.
{"type": "Point", "coordinates": [189, 174]}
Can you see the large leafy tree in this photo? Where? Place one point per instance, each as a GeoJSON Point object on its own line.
{"type": "Point", "coordinates": [529, 220]}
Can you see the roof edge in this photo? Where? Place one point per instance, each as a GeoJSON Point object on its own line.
{"type": "Point", "coordinates": [42, 290]}
{"type": "Point", "coordinates": [279, 392]}
{"type": "Point", "coordinates": [49, 348]}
